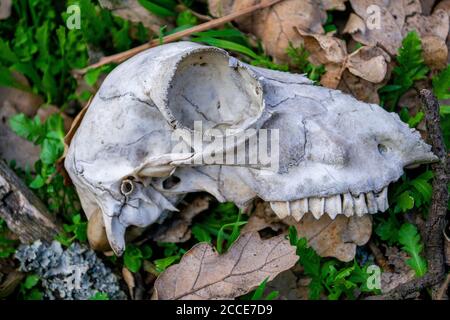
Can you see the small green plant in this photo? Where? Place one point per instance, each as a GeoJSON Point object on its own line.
{"type": "Point", "coordinates": [77, 230]}
{"type": "Point", "coordinates": [410, 68]}
{"type": "Point", "coordinates": [299, 58]}
{"type": "Point", "coordinates": [29, 288]}
{"type": "Point", "coordinates": [47, 182]}
{"type": "Point", "coordinates": [329, 276]}
{"type": "Point", "coordinates": [134, 256]}
{"type": "Point", "coordinates": [230, 239]}
{"type": "Point", "coordinates": [329, 25]}
{"type": "Point", "coordinates": [258, 293]}
{"type": "Point", "coordinates": [412, 192]}
{"type": "Point", "coordinates": [412, 121]}
{"type": "Point", "coordinates": [161, 8]}
{"type": "Point", "coordinates": [7, 245]}
{"type": "Point", "coordinates": [99, 296]}
{"type": "Point", "coordinates": [441, 88]}
{"type": "Point", "coordinates": [224, 216]}
{"type": "Point", "coordinates": [409, 238]}
{"type": "Point", "coordinates": [172, 254]}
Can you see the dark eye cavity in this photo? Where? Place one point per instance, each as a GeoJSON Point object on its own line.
{"type": "Point", "coordinates": [127, 187]}
{"type": "Point", "coordinates": [382, 148]}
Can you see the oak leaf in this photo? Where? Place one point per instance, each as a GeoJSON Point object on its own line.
{"type": "Point", "coordinates": [204, 274]}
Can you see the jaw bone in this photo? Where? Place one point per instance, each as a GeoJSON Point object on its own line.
{"type": "Point", "coordinates": [346, 204]}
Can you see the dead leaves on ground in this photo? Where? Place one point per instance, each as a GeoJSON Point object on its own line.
{"type": "Point", "coordinates": [204, 274]}
{"type": "Point", "coordinates": [378, 25]}
{"type": "Point", "coordinates": [396, 18]}
{"type": "Point", "coordinates": [275, 26]}
{"type": "Point", "coordinates": [368, 62]}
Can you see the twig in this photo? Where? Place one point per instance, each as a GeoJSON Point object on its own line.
{"type": "Point", "coordinates": [441, 293]}
{"type": "Point", "coordinates": [435, 223]}
{"type": "Point", "coordinates": [120, 57]}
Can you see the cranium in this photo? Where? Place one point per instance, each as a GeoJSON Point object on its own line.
{"type": "Point", "coordinates": [337, 155]}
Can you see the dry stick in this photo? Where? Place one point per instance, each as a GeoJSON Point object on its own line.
{"type": "Point", "coordinates": [435, 223]}
{"type": "Point", "coordinates": [441, 293]}
{"type": "Point", "coordinates": [120, 57]}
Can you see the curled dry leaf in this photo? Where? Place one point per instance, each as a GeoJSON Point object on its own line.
{"type": "Point", "coordinates": [263, 217]}
{"type": "Point", "coordinates": [133, 11]}
{"type": "Point", "coordinates": [275, 26]}
{"type": "Point", "coordinates": [368, 63]}
{"type": "Point", "coordinates": [204, 274]}
{"type": "Point", "coordinates": [385, 23]}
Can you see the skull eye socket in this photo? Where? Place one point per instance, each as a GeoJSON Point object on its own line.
{"type": "Point", "coordinates": [127, 187]}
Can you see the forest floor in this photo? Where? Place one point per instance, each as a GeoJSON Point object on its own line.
{"type": "Point", "coordinates": [55, 56]}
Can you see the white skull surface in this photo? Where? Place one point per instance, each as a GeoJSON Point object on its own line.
{"type": "Point", "coordinates": [337, 155]}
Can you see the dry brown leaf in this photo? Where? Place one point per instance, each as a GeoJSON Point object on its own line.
{"type": "Point", "coordinates": [178, 229]}
{"type": "Point", "coordinates": [204, 274]}
{"type": "Point", "coordinates": [263, 217]}
{"type": "Point", "coordinates": [274, 26]}
{"type": "Point", "coordinates": [133, 11]}
{"type": "Point", "coordinates": [129, 280]}
{"type": "Point", "coordinates": [5, 9]}
{"type": "Point", "coordinates": [334, 238]}
{"type": "Point", "coordinates": [368, 63]}
{"type": "Point", "coordinates": [435, 25]}
{"type": "Point", "coordinates": [361, 89]}
{"type": "Point", "coordinates": [96, 232]}
{"type": "Point", "coordinates": [435, 52]}
{"type": "Point", "coordinates": [333, 4]}
{"type": "Point", "coordinates": [12, 102]}
{"type": "Point", "coordinates": [396, 19]}
{"type": "Point", "coordinates": [445, 5]}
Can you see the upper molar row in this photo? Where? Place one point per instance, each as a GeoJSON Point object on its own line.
{"type": "Point", "coordinates": [346, 204]}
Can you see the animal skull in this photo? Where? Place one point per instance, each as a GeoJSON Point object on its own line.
{"type": "Point", "coordinates": [337, 155]}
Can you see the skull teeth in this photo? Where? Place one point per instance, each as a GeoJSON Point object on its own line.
{"type": "Point", "coordinates": [346, 204]}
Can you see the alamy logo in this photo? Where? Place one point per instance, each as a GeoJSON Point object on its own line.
{"type": "Point", "coordinates": [74, 19]}
{"type": "Point", "coordinates": [374, 279]}
{"type": "Point", "coordinates": [249, 147]}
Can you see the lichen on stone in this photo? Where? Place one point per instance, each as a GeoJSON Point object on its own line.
{"type": "Point", "coordinates": [75, 273]}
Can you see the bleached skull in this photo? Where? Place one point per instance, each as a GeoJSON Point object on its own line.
{"type": "Point", "coordinates": [334, 154]}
